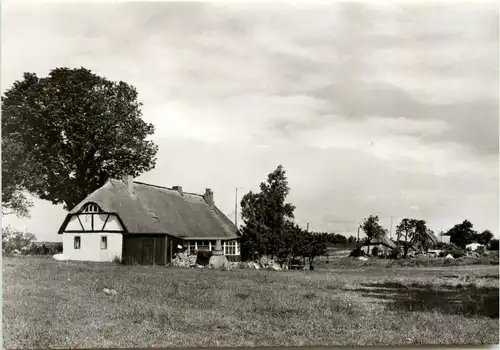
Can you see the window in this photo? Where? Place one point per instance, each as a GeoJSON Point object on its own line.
{"type": "Point", "coordinates": [91, 208]}
{"type": "Point", "coordinates": [192, 247]}
{"type": "Point", "coordinates": [77, 242]}
{"type": "Point", "coordinates": [104, 242]}
{"type": "Point", "coordinates": [203, 245]}
{"type": "Point", "coordinates": [230, 248]}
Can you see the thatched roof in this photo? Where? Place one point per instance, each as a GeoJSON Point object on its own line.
{"type": "Point", "coordinates": [384, 240]}
{"type": "Point", "coordinates": [432, 237]}
{"type": "Point", "coordinates": [155, 209]}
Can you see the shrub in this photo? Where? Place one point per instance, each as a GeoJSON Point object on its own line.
{"type": "Point", "coordinates": [375, 251]}
{"type": "Point", "coordinates": [480, 250]}
{"type": "Point", "coordinates": [45, 248]}
{"type": "Point", "coordinates": [356, 252]}
{"type": "Point", "coordinates": [14, 241]}
{"type": "Point", "coordinates": [493, 244]}
{"type": "Point", "coordinates": [454, 250]}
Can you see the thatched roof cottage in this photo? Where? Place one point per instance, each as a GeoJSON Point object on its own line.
{"type": "Point", "coordinates": [383, 243]}
{"type": "Point", "coordinates": [145, 224]}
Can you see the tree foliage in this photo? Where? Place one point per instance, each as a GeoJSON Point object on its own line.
{"type": "Point", "coordinates": [14, 198]}
{"type": "Point", "coordinates": [266, 216]}
{"type": "Point", "coordinates": [69, 132]}
{"type": "Point", "coordinates": [14, 240]}
{"type": "Point", "coordinates": [494, 244]}
{"type": "Point", "coordinates": [269, 228]}
{"type": "Point", "coordinates": [372, 228]}
{"type": "Point", "coordinates": [462, 234]}
{"type": "Point", "coordinates": [315, 245]}
{"type": "Point", "coordinates": [412, 232]}
{"type": "Point", "coordinates": [484, 237]}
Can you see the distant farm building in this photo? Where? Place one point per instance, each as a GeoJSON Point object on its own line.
{"type": "Point", "coordinates": [145, 224]}
{"type": "Point", "coordinates": [474, 246]}
{"type": "Point", "coordinates": [383, 244]}
{"type": "Point", "coordinates": [444, 239]}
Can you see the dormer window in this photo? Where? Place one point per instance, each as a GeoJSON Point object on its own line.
{"type": "Point", "coordinates": [91, 208]}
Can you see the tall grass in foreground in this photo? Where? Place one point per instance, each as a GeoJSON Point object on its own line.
{"type": "Point", "coordinates": [58, 304]}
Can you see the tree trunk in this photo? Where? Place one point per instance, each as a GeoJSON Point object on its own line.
{"type": "Point", "coordinates": [311, 267]}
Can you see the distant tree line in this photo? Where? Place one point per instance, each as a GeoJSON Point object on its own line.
{"type": "Point", "coordinates": [15, 241]}
{"type": "Point", "coordinates": [269, 228]}
{"type": "Point", "coordinates": [464, 234]}
{"type": "Point", "coordinates": [413, 234]}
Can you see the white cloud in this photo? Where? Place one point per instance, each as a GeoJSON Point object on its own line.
{"type": "Point", "coordinates": [341, 95]}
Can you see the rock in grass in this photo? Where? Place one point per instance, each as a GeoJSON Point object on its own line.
{"type": "Point", "coordinates": [59, 257]}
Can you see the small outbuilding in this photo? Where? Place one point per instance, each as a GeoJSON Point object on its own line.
{"type": "Point", "coordinates": [145, 224]}
{"type": "Point", "coordinates": [473, 246]}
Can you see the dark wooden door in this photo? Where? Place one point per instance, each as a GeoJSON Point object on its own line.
{"type": "Point", "coordinates": [159, 246]}
{"type": "Point", "coordinates": [147, 251]}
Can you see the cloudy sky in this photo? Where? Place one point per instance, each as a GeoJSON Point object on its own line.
{"type": "Point", "coordinates": [388, 110]}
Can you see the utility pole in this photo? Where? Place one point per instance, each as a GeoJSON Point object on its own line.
{"type": "Point", "coordinates": [236, 208]}
{"type": "Point", "coordinates": [236, 205]}
{"type": "Point", "coordinates": [390, 230]}
{"type": "Point", "coordinates": [307, 227]}
{"type": "Point", "coordinates": [358, 235]}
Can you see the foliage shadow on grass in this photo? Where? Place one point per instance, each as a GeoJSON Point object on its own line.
{"type": "Point", "coordinates": [466, 300]}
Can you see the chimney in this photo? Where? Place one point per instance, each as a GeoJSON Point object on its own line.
{"type": "Point", "coordinates": [128, 180]}
{"type": "Point", "coordinates": [209, 197]}
{"type": "Point", "coordinates": [178, 189]}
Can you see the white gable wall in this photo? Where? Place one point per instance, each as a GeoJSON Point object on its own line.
{"type": "Point", "coordinates": [73, 224]}
{"type": "Point", "coordinates": [113, 224]}
{"type": "Point", "coordinates": [90, 246]}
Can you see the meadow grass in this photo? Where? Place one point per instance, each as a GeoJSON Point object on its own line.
{"type": "Point", "coordinates": [50, 304]}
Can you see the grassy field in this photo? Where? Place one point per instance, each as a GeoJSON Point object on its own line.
{"type": "Point", "coordinates": [51, 304]}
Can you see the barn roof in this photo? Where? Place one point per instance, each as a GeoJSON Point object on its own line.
{"type": "Point", "coordinates": [384, 240]}
{"type": "Point", "coordinates": [432, 237]}
{"type": "Point", "coordinates": [156, 209]}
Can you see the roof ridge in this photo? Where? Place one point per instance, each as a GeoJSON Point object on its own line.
{"type": "Point", "coordinates": [166, 188]}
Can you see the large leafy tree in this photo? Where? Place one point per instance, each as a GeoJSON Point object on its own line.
{"type": "Point", "coordinates": [315, 245]}
{"type": "Point", "coordinates": [462, 234]}
{"type": "Point", "coordinates": [484, 237]}
{"type": "Point", "coordinates": [14, 171]}
{"type": "Point", "coordinates": [372, 228]}
{"type": "Point", "coordinates": [411, 232]}
{"type": "Point", "coordinates": [67, 133]}
{"type": "Point", "coordinates": [266, 216]}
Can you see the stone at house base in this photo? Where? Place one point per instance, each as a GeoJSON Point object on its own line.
{"type": "Point", "coordinates": [183, 260]}
{"type": "Point", "coordinates": [275, 267]}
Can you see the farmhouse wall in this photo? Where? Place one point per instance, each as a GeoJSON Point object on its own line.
{"type": "Point", "coordinates": [90, 246]}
